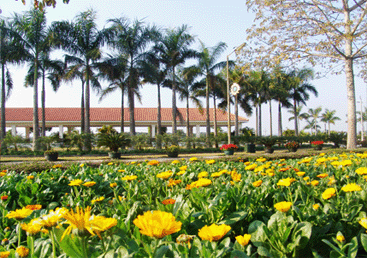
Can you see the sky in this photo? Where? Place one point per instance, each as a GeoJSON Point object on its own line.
{"type": "Point", "coordinates": [210, 21]}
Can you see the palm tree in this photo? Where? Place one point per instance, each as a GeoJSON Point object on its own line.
{"type": "Point", "coordinates": [32, 28]}
{"type": "Point", "coordinates": [114, 69]}
{"type": "Point", "coordinates": [83, 41]}
{"type": "Point", "coordinates": [207, 66]}
{"type": "Point", "coordinates": [299, 89]}
{"type": "Point", "coordinates": [173, 50]}
{"type": "Point", "coordinates": [314, 114]}
{"type": "Point", "coordinates": [131, 40]}
{"type": "Point", "coordinates": [329, 117]}
{"type": "Point", "coordinates": [11, 51]}
{"type": "Point", "coordinates": [312, 124]}
{"type": "Point", "coordinates": [55, 75]}
{"type": "Point", "coordinates": [299, 115]}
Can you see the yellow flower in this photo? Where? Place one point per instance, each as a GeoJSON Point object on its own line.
{"type": "Point", "coordinates": [110, 164]}
{"type": "Point", "coordinates": [81, 165]}
{"type": "Point", "coordinates": [361, 171]}
{"type": "Point", "coordinates": [89, 184]}
{"type": "Point", "coordinates": [165, 175]}
{"type": "Point", "coordinates": [76, 182]}
{"type": "Point", "coordinates": [209, 162]}
{"type": "Point", "coordinates": [363, 222]}
{"type": "Point", "coordinates": [261, 159]}
{"type": "Point", "coordinates": [34, 207]}
{"type": "Point", "coordinates": [286, 181]}
{"type": "Point", "coordinates": [2, 173]}
{"type": "Point", "coordinates": [171, 182]}
{"type": "Point", "coordinates": [340, 237]}
{"type": "Point", "coordinates": [51, 219]}
{"type": "Point", "coordinates": [203, 174]}
{"type": "Point", "coordinates": [30, 177]}
{"type": "Point", "coordinates": [112, 185]}
{"type": "Point", "coordinates": [33, 227]}
{"type": "Point", "coordinates": [201, 182]}
{"type": "Point", "coordinates": [4, 254]}
{"type": "Point", "coordinates": [121, 170]}
{"type": "Point", "coordinates": [183, 168]}
{"type": "Point", "coordinates": [257, 183]}
{"type": "Point", "coordinates": [301, 173]}
{"type": "Point", "coordinates": [97, 200]}
{"type": "Point", "coordinates": [235, 176]}
{"type": "Point", "coordinates": [251, 167]}
{"type": "Point", "coordinates": [57, 166]}
{"type": "Point", "coordinates": [283, 206]}
{"type": "Point", "coordinates": [79, 222]}
{"type": "Point", "coordinates": [315, 182]}
{"type": "Point", "coordinates": [129, 178]}
{"type": "Point", "coordinates": [351, 187]}
{"type": "Point", "coordinates": [153, 163]}
{"type": "Point", "coordinates": [316, 206]}
{"type": "Point", "coordinates": [213, 232]}
{"type": "Point", "coordinates": [175, 162]}
{"type": "Point", "coordinates": [181, 172]}
{"type": "Point", "coordinates": [331, 180]}
{"type": "Point", "coordinates": [306, 178]}
{"type": "Point", "coordinates": [22, 251]}
{"type": "Point", "coordinates": [193, 159]}
{"type": "Point", "coordinates": [243, 240]}
{"type": "Point", "coordinates": [19, 214]}
{"type": "Point", "coordinates": [101, 223]}
{"type": "Point", "coordinates": [345, 163]}
{"type": "Point", "coordinates": [323, 175]}
{"type": "Point", "coordinates": [216, 174]}
{"type": "Point", "coordinates": [328, 193]}
{"type": "Point", "coordinates": [157, 224]}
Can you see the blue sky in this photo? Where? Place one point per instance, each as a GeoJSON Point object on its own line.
{"type": "Point", "coordinates": [210, 21]}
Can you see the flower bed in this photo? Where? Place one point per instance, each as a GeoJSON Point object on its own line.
{"type": "Point", "coordinates": [189, 208]}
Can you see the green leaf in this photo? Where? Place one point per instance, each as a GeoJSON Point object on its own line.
{"type": "Point", "coordinates": [70, 245]}
{"type": "Point", "coordinates": [234, 217]}
{"type": "Point", "coordinates": [353, 248]}
{"type": "Point", "coordinates": [238, 254]}
{"type": "Point", "coordinates": [364, 241]}
{"type": "Point", "coordinates": [262, 251]}
{"type": "Point", "coordinates": [258, 235]}
{"type": "Point", "coordinates": [303, 229]}
{"type": "Point", "coordinates": [161, 251]}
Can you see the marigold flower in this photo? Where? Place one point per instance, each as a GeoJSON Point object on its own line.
{"type": "Point", "coordinates": [181, 172]}
{"type": "Point", "coordinates": [19, 214]}
{"type": "Point", "coordinates": [193, 159]}
{"type": "Point", "coordinates": [4, 197]}
{"type": "Point", "coordinates": [30, 177]}
{"type": "Point", "coordinates": [89, 184]}
{"type": "Point", "coordinates": [76, 182]}
{"type": "Point", "coordinates": [129, 178]}
{"type": "Point", "coordinates": [79, 222]}
{"type": "Point", "coordinates": [283, 206]}
{"type": "Point", "coordinates": [171, 182]}
{"type": "Point", "coordinates": [110, 164]}
{"type": "Point", "coordinates": [175, 162]}
{"type": "Point", "coordinates": [209, 162]}
{"type": "Point", "coordinates": [99, 199]}
{"type": "Point", "coordinates": [34, 207]}
{"type": "Point", "coordinates": [261, 159]}
{"type": "Point", "coordinates": [4, 254]}
{"type": "Point", "coordinates": [169, 201]}
{"type": "Point", "coordinates": [22, 251]}
{"type": "Point", "coordinates": [323, 175]}
{"type": "Point", "coordinates": [331, 180]}
{"type": "Point", "coordinates": [300, 173]}
{"type": "Point", "coordinates": [251, 167]}
{"type": "Point", "coordinates": [257, 183]}
{"type": "Point", "coordinates": [33, 227]}
{"type": "Point", "coordinates": [153, 163]}
{"type": "Point", "coordinates": [340, 237]}
{"type": "Point", "coordinates": [201, 182]}
{"type": "Point", "coordinates": [306, 178]}
{"type": "Point", "coordinates": [165, 175]}
{"type": "Point", "coordinates": [243, 240]}
{"type": "Point", "coordinates": [315, 182]}
{"type": "Point", "coordinates": [53, 217]}
{"type": "Point", "coordinates": [157, 224]}
{"type": "Point", "coordinates": [351, 187]}
{"type": "Point", "coordinates": [3, 173]}
{"type": "Point", "coordinates": [101, 223]}
{"type": "Point", "coordinates": [285, 182]}
{"type": "Point", "coordinates": [235, 176]}
{"type": "Point", "coordinates": [112, 185]}
{"type": "Point", "coordinates": [316, 206]}
{"type": "Point", "coordinates": [213, 232]}
{"type": "Point", "coordinates": [203, 174]}
{"type": "Point", "coordinates": [361, 171]}
{"type": "Point", "coordinates": [328, 193]}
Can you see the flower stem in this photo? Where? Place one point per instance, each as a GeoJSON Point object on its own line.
{"type": "Point", "coordinates": [19, 233]}
{"type": "Point", "coordinates": [53, 243]}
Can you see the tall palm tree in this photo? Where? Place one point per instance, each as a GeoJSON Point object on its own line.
{"type": "Point", "coordinates": [131, 40]}
{"type": "Point", "coordinates": [11, 51]}
{"type": "Point", "coordinates": [83, 41]}
{"type": "Point", "coordinates": [33, 29]}
{"type": "Point", "coordinates": [208, 66]}
{"type": "Point", "coordinates": [315, 114]}
{"type": "Point", "coordinates": [329, 117]}
{"type": "Point", "coordinates": [299, 89]}
{"type": "Point", "coordinates": [299, 115]}
{"type": "Point", "coordinates": [115, 70]}
{"type": "Point", "coordinates": [54, 69]}
{"type": "Point", "coordinates": [173, 50]}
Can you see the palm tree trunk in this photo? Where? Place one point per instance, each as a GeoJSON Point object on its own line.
{"type": "Point", "coordinates": [82, 110]}
{"type": "Point", "coordinates": [87, 146]}
{"type": "Point", "coordinates": [295, 117]}
{"type": "Point", "coordinates": [207, 112]}
{"type": "Point", "coordinates": [36, 145]}
{"type": "Point", "coordinates": [236, 115]}
{"type": "Point", "coordinates": [260, 129]}
{"type": "Point", "coordinates": [174, 111]}
{"type": "Point", "coordinates": [159, 116]}
{"type": "Point", "coordinates": [271, 119]}
{"type": "Point", "coordinates": [215, 122]}
{"type": "Point", "coordinates": [3, 121]}
{"type": "Point", "coordinates": [328, 128]}
{"type": "Point", "coordinates": [257, 121]}
{"type": "Point", "coordinates": [130, 95]}
{"type": "Point", "coordinates": [188, 122]}
{"type": "Point", "coordinates": [122, 125]}
{"type": "Point", "coordinates": [43, 100]}
{"type": "Point", "coordinates": [280, 129]}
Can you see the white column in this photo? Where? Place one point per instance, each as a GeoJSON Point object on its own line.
{"type": "Point", "coordinates": [13, 130]}
{"type": "Point", "coordinates": [197, 130]}
{"type": "Point", "coordinates": [152, 130]}
{"type": "Point", "coordinates": [61, 131]}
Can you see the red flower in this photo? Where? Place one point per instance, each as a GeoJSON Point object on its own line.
{"type": "Point", "coordinates": [317, 142]}
{"type": "Point", "coordinates": [168, 201]}
{"type": "Point", "coordinates": [229, 147]}
{"type": "Point", "coordinates": [4, 197]}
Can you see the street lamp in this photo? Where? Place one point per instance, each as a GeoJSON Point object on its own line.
{"type": "Point", "coordinates": [228, 93]}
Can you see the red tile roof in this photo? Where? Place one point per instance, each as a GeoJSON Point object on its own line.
{"type": "Point", "coordinates": [112, 114]}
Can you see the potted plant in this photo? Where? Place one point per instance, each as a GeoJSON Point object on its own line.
{"type": "Point", "coordinates": [317, 145]}
{"type": "Point", "coordinates": [292, 146]}
{"type": "Point", "coordinates": [268, 142]}
{"type": "Point", "coordinates": [173, 151]}
{"type": "Point", "coordinates": [249, 138]}
{"type": "Point", "coordinates": [110, 138]}
{"type": "Point", "coordinates": [51, 155]}
{"type": "Point", "coordinates": [229, 149]}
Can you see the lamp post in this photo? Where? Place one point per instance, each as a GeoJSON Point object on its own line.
{"type": "Point", "coordinates": [228, 93]}
{"type": "Point", "coordinates": [362, 127]}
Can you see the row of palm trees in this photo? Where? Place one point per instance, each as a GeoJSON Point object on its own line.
{"type": "Point", "coordinates": [139, 54]}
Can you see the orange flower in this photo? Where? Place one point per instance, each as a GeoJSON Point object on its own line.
{"type": "Point", "coordinates": [4, 197]}
{"type": "Point", "coordinates": [153, 162]}
{"type": "Point", "coordinates": [169, 201]}
{"type": "Point", "coordinates": [34, 207]}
